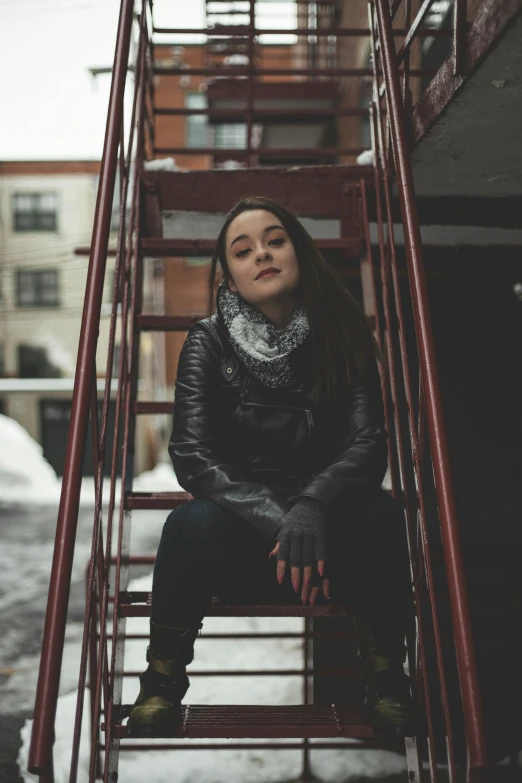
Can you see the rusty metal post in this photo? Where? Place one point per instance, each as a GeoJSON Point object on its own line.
{"type": "Point", "coordinates": [54, 631]}
{"type": "Point", "coordinates": [48, 775]}
{"type": "Point", "coordinates": [472, 703]}
{"type": "Point", "coordinates": [306, 773]}
{"type": "Point", "coordinates": [460, 37]}
{"type": "Point", "coordinates": [93, 667]}
{"type": "Point", "coordinates": [250, 105]}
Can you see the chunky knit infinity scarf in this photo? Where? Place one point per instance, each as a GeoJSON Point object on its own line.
{"type": "Point", "coordinates": [264, 349]}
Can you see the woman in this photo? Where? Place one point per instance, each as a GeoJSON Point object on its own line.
{"type": "Point", "coordinates": [279, 436]}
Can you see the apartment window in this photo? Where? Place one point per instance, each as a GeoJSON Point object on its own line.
{"type": "Point", "coordinates": [196, 126]}
{"type": "Point", "coordinates": [35, 211]}
{"type": "Point", "coordinates": [37, 288]}
{"type": "Point", "coordinates": [230, 136]}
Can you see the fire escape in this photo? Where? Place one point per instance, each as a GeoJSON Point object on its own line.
{"type": "Point", "coordinates": [288, 100]}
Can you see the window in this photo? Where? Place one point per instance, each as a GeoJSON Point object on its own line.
{"type": "Point", "coordinates": [196, 126]}
{"type": "Point", "coordinates": [35, 211]}
{"type": "Point", "coordinates": [230, 136]}
{"type": "Point", "coordinates": [37, 288]}
{"type": "Point", "coordinates": [33, 362]}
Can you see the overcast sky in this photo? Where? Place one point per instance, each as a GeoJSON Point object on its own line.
{"type": "Point", "coordinates": [51, 108]}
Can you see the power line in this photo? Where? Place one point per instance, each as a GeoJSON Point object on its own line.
{"type": "Point", "coordinates": [48, 252]}
{"type": "Point", "coordinates": [43, 260]}
{"type": "Point", "coordinates": [35, 246]}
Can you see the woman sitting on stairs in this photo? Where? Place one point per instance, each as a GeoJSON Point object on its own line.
{"type": "Point", "coordinates": [279, 436]}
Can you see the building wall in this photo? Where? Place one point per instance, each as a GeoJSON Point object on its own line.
{"type": "Point", "coordinates": [56, 328]}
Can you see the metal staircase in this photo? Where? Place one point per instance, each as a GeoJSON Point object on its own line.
{"type": "Point", "coordinates": [414, 420]}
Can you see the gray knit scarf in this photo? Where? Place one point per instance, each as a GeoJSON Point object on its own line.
{"type": "Point", "coordinates": [264, 349]}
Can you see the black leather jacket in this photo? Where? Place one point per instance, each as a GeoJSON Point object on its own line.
{"type": "Point", "coordinates": [253, 449]}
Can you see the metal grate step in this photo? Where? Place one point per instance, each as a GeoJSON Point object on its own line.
{"type": "Point", "coordinates": [295, 721]}
{"type": "Point", "coordinates": [137, 604]}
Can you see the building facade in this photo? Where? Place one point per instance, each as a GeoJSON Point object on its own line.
{"type": "Point", "coordinates": [46, 213]}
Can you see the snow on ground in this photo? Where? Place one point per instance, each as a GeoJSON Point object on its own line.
{"type": "Point", "coordinates": [25, 474]}
{"type": "Point", "coordinates": [249, 766]}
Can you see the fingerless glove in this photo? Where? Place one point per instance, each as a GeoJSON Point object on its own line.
{"type": "Point", "coordinates": [302, 534]}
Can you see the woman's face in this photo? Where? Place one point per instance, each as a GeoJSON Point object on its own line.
{"type": "Point", "coordinates": [255, 242]}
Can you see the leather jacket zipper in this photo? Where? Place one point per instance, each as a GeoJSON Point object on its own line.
{"type": "Point", "coordinates": [308, 412]}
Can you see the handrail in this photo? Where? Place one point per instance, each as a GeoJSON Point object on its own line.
{"type": "Point", "coordinates": [105, 669]}
{"type": "Point", "coordinates": [414, 30]}
{"type": "Point", "coordinates": [54, 631]}
{"type": "Point", "coordinates": [468, 678]}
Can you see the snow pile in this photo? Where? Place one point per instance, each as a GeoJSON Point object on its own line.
{"type": "Point", "coordinates": [160, 164]}
{"type": "Point", "coordinates": [26, 478]}
{"type": "Point", "coordinates": [366, 158]}
{"type": "Point", "coordinates": [234, 766]}
{"type": "Point", "coordinates": [24, 473]}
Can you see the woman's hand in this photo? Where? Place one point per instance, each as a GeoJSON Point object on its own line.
{"type": "Point", "coordinates": [308, 591]}
{"type": "Point", "coordinates": [301, 541]}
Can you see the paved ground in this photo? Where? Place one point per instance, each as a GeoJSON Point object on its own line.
{"type": "Point", "coordinates": [27, 541]}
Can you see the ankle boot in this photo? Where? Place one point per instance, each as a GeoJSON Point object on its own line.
{"type": "Point", "coordinates": [157, 709]}
{"type": "Point", "coordinates": [387, 698]}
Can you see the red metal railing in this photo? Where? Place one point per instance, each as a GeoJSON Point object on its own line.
{"type": "Point", "coordinates": [408, 474]}
{"type": "Point", "coordinates": [117, 157]}
{"type": "Point", "coordinates": [423, 415]}
{"type": "Point", "coordinates": [315, 63]}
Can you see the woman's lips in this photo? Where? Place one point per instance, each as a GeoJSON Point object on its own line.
{"type": "Point", "coordinates": [267, 274]}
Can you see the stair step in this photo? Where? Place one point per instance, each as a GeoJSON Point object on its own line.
{"type": "Point", "coordinates": [167, 323]}
{"type": "Point", "coordinates": [330, 672]}
{"type": "Point", "coordinates": [166, 501]}
{"type": "Point", "coordinates": [137, 604]}
{"type": "Point", "coordinates": [265, 721]}
{"type": "Point", "coordinates": [179, 248]}
{"type": "Point", "coordinates": [314, 191]}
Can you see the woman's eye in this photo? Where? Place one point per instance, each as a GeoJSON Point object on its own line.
{"type": "Point", "coordinates": [243, 253]}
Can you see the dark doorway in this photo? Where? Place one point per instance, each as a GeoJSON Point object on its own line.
{"type": "Point", "coordinates": [54, 426]}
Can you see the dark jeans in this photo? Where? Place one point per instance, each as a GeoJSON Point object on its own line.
{"type": "Point", "coordinates": [207, 551]}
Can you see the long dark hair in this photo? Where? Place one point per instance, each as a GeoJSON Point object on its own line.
{"type": "Point", "coordinates": [342, 339]}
